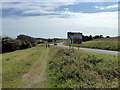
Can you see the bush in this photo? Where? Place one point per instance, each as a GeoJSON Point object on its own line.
{"type": "Point", "coordinates": [9, 44]}
{"type": "Point", "coordinates": [22, 42]}
{"type": "Point", "coordinates": [27, 40]}
{"type": "Point", "coordinates": [69, 68]}
{"type": "Point", "coordinates": [25, 45]}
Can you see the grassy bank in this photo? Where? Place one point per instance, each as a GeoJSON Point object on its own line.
{"type": "Point", "coordinates": [79, 69]}
{"type": "Point", "coordinates": [54, 67]}
{"type": "Point", "coordinates": [16, 64]}
{"type": "Point", "coordinates": [105, 43]}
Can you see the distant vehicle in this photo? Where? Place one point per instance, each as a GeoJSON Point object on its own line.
{"type": "Point", "coordinates": [55, 44]}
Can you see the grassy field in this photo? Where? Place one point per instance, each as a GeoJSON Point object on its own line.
{"type": "Point", "coordinates": [54, 67]}
{"type": "Point", "coordinates": [105, 43]}
{"type": "Point", "coordinates": [21, 68]}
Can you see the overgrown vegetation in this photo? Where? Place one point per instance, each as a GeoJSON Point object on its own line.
{"type": "Point", "coordinates": [21, 42]}
{"type": "Point", "coordinates": [79, 69]}
{"type": "Point", "coordinates": [104, 43]}
{"type": "Point", "coordinates": [65, 68]}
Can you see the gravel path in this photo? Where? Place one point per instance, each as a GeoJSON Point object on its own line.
{"type": "Point", "coordinates": [107, 52]}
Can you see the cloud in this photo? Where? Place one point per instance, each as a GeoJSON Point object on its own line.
{"type": "Point", "coordinates": [60, 1]}
{"type": "Point", "coordinates": [31, 8]}
{"type": "Point", "coordinates": [107, 7]}
{"type": "Point", "coordinates": [51, 23]}
{"type": "Point", "coordinates": [105, 23]}
{"type": "Point", "coordinates": [21, 9]}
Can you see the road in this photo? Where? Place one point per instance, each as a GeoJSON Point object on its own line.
{"type": "Point", "coordinates": [107, 52]}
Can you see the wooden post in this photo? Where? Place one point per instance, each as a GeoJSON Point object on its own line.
{"type": "Point", "coordinates": [69, 46]}
{"type": "Point", "coordinates": [78, 45]}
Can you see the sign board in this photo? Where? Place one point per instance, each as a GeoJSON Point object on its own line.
{"type": "Point", "coordinates": [74, 38]}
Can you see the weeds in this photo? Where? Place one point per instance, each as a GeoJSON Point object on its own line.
{"type": "Point", "coordinates": [69, 68]}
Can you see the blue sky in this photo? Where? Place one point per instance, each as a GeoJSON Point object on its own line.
{"type": "Point", "coordinates": [55, 19]}
{"type": "Point", "coordinates": [88, 7]}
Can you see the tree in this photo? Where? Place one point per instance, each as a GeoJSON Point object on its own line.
{"type": "Point", "coordinates": [107, 36]}
{"type": "Point", "coordinates": [90, 37]}
{"type": "Point", "coordinates": [49, 40]}
{"type": "Point", "coordinates": [101, 36]}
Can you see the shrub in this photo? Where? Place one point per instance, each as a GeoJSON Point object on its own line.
{"type": "Point", "coordinates": [27, 40]}
{"type": "Point", "coordinates": [22, 42]}
{"type": "Point", "coordinates": [74, 69]}
{"type": "Point", "coordinates": [25, 45]}
{"type": "Point", "coordinates": [9, 44]}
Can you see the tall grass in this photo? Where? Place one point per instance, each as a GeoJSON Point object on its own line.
{"type": "Point", "coordinates": [79, 69]}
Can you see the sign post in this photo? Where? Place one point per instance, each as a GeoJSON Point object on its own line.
{"type": "Point", "coordinates": [78, 46]}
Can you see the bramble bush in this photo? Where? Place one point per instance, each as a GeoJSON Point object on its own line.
{"type": "Point", "coordinates": [69, 68]}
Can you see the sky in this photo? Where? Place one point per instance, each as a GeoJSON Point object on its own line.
{"type": "Point", "coordinates": [48, 19]}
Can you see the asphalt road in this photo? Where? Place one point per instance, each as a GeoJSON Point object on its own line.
{"type": "Point", "coordinates": [107, 52]}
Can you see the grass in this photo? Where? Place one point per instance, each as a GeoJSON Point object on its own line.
{"type": "Point", "coordinates": [105, 43]}
{"type": "Point", "coordinates": [36, 77]}
{"type": "Point", "coordinates": [56, 67]}
{"type": "Point", "coordinates": [57, 41]}
{"type": "Point", "coordinates": [16, 64]}
{"type": "Point", "coordinates": [79, 69]}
